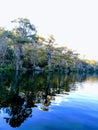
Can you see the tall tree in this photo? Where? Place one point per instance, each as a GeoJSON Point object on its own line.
{"type": "Point", "coordinates": [24, 32]}
{"type": "Point", "coordinates": [49, 47]}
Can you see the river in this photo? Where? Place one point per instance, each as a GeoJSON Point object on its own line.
{"type": "Point", "coordinates": [49, 101]}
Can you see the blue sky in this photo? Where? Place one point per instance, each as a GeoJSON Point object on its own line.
{"type": "Point", "coordinates": [74, 23]}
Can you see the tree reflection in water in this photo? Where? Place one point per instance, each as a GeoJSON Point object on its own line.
{"type": "Point", "coordinates": [20, 92]}
{"type": "Point", "coordinates": [19, 112]}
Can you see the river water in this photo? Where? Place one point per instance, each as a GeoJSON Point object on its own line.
{"type": "Point", "coordinates": [48, 101]}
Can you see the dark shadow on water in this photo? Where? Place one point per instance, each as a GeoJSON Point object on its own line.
{"type": "Point", "coordinates": [20, 92]}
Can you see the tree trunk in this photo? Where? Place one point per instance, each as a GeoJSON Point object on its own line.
{"type": "Point", "coordinates": [19, 55]}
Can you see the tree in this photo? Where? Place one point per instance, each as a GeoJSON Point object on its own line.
{"type": "Point", "coordinates": [49, 45]}
{"type": "Point", "coordinates": [24, 32]}
{"type": "Point", "coordinates": [4, 42]}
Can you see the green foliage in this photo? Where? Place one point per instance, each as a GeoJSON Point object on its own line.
{"type": "Point", "coordinates": [22, 48]}
{"type": "Point", "coordinates": [24, 28]}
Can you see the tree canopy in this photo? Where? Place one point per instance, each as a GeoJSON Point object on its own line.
{"type": "Point", "coordinates": [23, 48]}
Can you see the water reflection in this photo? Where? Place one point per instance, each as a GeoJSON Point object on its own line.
{"type": "Point", "coordinates": [20, 92]}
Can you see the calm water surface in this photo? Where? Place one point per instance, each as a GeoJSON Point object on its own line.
{"type": "Point", "coordinates": [48, 102]}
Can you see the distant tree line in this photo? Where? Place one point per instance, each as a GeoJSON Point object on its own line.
{"type": "Point", "coordinates": [22, 48]}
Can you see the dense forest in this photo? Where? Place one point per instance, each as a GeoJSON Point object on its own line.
{"type": "Point", "coordinates": [21, 48]}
